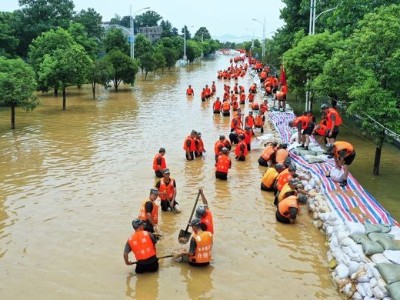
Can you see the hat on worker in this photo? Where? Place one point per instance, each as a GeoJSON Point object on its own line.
{"type": "Point", "coordinates": [154, 191]}
{"type": "Point", "coordinates": [136, 223]}
{"type": "Point", "coordinates": [166, 171]}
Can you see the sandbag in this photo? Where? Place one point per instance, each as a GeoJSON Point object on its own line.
{"type": "Point", "coordinates": [379, 258]}
{"type": "Point", "coordinates": [377, 228]}
{"type": "Point", "coordinates": [355, 227]}
{"type": "Point", "coordinates": [389, 244]}
{"type": "Point", "coordinates": [337, 174]}
{"type": "Point", "coordinates": [389, 272]}
{"type": "Point", "coordinates": [343, 271]}
{"type": "Point", "coordinates": [376, 236]}
{"type": "Point", "coordinates": [371, 247]}
{"type": "Point", "coordinates": [358, 237]}
{"type": "Point", "coordinates": [392, 255]}
{"type": "Point", "coordinates": [394, 290]}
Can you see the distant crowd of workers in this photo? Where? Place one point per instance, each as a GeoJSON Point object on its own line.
{"type": "Point", "coordinates": [280, 176]}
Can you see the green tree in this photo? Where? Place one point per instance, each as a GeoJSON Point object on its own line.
{"type": "Point", "coordinates": [101, 72]}
{"type": "Point", "coordinates": [125, 69]}
{"type": "Point", "coordinates": [147, 19]}
{"type": "Point", "coordinates": [17, 86]}
{"type": "Point", "coordinates": [202, 34]}
{"type": "Point", "coordinates": [79, 35]}
{"type": "Point", "coordinates": [115, 40]}
{"type": "Point", "coordinates": [64, 68]}
{"type": "Point", "coordinates": [166, 29]}
{"type": "Point", "coordinates": [143, 46]}
{"type": "Point", "coordinates": [148, 63]}
{"type": "Point", "coordinates": [8, 39]}
{"type": "Point", "coordinates": [193, 50]}
{"type": "Point", "coordinates": [160, 59]}
{"type": "Point", "coordinates": [38, 16]}
{"type": "Point", "coordinates": [91, 20]}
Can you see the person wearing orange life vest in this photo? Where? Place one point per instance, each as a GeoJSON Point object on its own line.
{"type": "Point", "coordinates": [281, 154]}
{"type": "Point", "coordinates": [249, 120]}
{"type": "Point", "coordinates": [199, 253]}
{"type": "Point", "coordinates": [218, 146]}
{"type": "Point", "coordinates": [149, 212]}
{"type": "Point", "coordinates": [208, 92]}
{"type": "Point", "coordinates": [265, 158]}
{"type": "Point", "coordinates": [250, 97]}
{"type": "Point", "coordinates": [142, 244]}
{"type": "Point", "coordinates": [264, 106]}
{"type": "Point", "coordinates": [217, 106]}
{"type": "Point", "coordinates": [303, 130]}
{"type": "Point", "coordinates": [344, 154]}
{"type": "Point", "coordinates": [287, 190]}
{"type": "Point", "coordinates": [159, 163]}
{"type": "Point", "coordinates": [189, 91]}
{"type": "Point", "coordinates": [167, 191]}
{"type": "Point", "coordinates": [242, 98]}
{"type": "Point", "coordinates": [269, 177]}
{"type": "Point", "coordinates": [241, 149]}
{"type": "Point", "coordinates": [281, 101]}
{"type": "Point", "coordinates": [203, 95]}
{"type": "Point", "coordinates": [255, 106]}
{"type": "Point", "coordinates": [189, 145]}
{"type": "Point", "coordinates": [259, 121]}
{"type": "Point", "coordinates": [235, 105]}
{"type": "Point", "coordinates": [284, 177]}
{"type": "Point", "coordinates": [289, 208]}
{"type": "Point", "coordinates": [248, 135]}
{"type": "Point", "coordinates": [213, 88]}
{"type": "Point", "coordinates": [333, 121]}
{"type": "Point", "coordinates": [236, 122]}
{"type": "Point", "coordinates": [226, 108]}
{"type": "Point", "coordinates": [204, 214]}
{"type": "Point", "coordinates": [199, 145]}
{"type": "Point", "coordinates": [223, 164]}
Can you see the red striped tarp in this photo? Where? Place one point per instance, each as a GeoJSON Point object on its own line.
{"type": "Point", "coordinates": [351, 203]}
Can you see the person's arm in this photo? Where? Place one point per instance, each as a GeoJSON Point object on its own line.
{"type": "Point", "coordinates": [149, 209]}
{"type": "Point", "coordinates": [159, 161]}
{"type": "Point", "coordinates": [126, 252]}
{"type": "Point", "coordinates": [333, 119]}
{"type": "Point", "coordinates": [175, 191]}
{"type": "Point", "coordinates": [293, 214]}
{"type": "Point", "coordinates": [188, 144]}
{"type": "Point", "coordinates": [192, 247]}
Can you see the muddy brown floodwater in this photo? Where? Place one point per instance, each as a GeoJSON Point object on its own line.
{"type": "Point", "coordinates": [71, 182]}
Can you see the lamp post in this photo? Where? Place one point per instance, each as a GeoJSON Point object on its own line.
{"type": "Point", "coordinates": [132, 33]}
{"type": "Point", "coordinates": [263, 37]}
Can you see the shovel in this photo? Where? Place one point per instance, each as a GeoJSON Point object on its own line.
{"type": "Point", "coordinates": [184, 235]}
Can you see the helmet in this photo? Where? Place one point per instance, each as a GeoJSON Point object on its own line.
{"type": "Point", "coordinates": [136, 223]}
{"type": "Point", "coordinates": [302, 199]}
{"type": "Point", "coordinates": [221, 137]}
{"type": "Point", "coordinates": [287, 161]}
{"type": "Point", "coordinates": [195, 222]}
{"type": "Point", "coordinates": [224, 150]}
{"type": "Point", "coordinates": [324, 106]}
{"type": "Point", "coordinates": [200, 212]}
{"type": "Point", "coordinates": [279, 166]}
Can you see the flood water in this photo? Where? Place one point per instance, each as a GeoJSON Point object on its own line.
{"type": "Point", "coordinates": [71, 182]}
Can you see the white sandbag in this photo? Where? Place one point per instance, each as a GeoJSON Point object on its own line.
{"type": "Point", "coordinates": [361, 290]}
{"type": "Point", "coordinates": [378, 293]}
{"type": "Point", "coordinates": [355, 227]}
{"type": "Point", "coordinates": [379, 258]}
{"type": "Point", "coordinates": [341, 235]}
{"type": "Point", "coordinates": [337, 174]}
{"type": "Point", "coordinates": [395, 231]}
{"type": "Point", "coordinates": [373, 283]}
{"type": "Point", "coordinates": [346, 242]}
{"type": "Point", "coordinates": [347, 290]}
{"type": "Point", "coordinates": [342, 271]}
{"type": "Point", "coordinates": [367, 289]}
{"type": "Point", "coordinates": [357, 296]}
{"type": "Point", "coordinates": [392, 255]}
{"type": "Point", "coordinates": [353, 266]}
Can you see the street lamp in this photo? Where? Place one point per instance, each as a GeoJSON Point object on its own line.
{"type": "Point", "coordinates": [263, 37]}
{"type": "Point", "coordinates": [132, 33]}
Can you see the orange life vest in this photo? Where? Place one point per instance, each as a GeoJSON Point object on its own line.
{"type": "Point", "coordinates": [285, 189]}
{"type": "Point", "coordinates": [154, 213]}
{"type": "Point", "coordinates": [247, 137]}
{"type": "Point", "coordinates": [218, 147]}
{"type": "Point", "coordinates": [202, 253]}
{"type": "Point", "coordinates": [269, 177]}
{"type": "Point", "coordinates": [237, 149]}
{"type": "Point", "coordinates": [287, 203]}
{"type": "Point", "coordinates": [236, 123]}
{"type": "Point", "coordinates": [304, 120]}
{"type": "Point", "coordinates": [263, 107]}
{"type": "Point", "coordinates": [141, 245]}
{"type": "Point", "coordinates": [235, 105]}
{"type": "Point", "coordinates": [340, 145]}
{"type": "Point", "coordinates": [226, 106]}
{"type": "Point", "coordinates": [255, 106]}
{"type": "Point", "coordinates": [259, 121]}
{"type": "Point", "coordinates": [192, 144]}
{"type": "Point", "coordinates": [199, 145]}
{"type": "Point", "coordinates": [249, 121]}
{"type": "Point", "coordinates": [242, 98]}
{"type": "Point", "coordinates": [166, 191]}
{"type": "Point", "coordinates": [250, 97]}
{"type": "Point", "coordinates": [281, 154]}
{"type": "Point", "coordinates": [267, 152]}
{"type": "Point", "coordinates": [189, 92]}
{"type": "Point", "coordinates": [208, 220]}
{"type": "Point", "coordinates": [332, 111]}
{"type": "Point", "coordinates": [283, 179]}
{"type": "Point", "coordinates": [322, 129]}
{"type": "Point", "coordinates": [223, 163]}
{"type": "Point", "coordinates": [217, 105]}
{"type": "Point", "coordinates": [156, 166]}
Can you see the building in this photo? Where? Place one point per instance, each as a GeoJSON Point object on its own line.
{"type": "Point", "coordinates": [153, 33]}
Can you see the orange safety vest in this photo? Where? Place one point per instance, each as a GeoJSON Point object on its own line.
{"type": "Point", "coordinates": [200, 145]}
{"type": "Point", "coordinates": [208, 220]}
{"type": "Point", "coordinates": [287, 203]}
{"type": "Point", "coordinates": [332, 111]}
{"type": "Point", "coordinates": [250, 97]}
{"type": "Point", "coordinates": [267, 152]}
{"type": "Point", "coordinates": [255, 106]}
{"type": "Point", "coordinates": [141, 245]}
{"type": "Point", "coordinates": [235, 105]}
{"type": "Point", "coordinates": [202, 253]}
{"type": "Point", "coordinates": [223, 163]}
{"type": "Point", "coordinates": [192, 146]}
{"type": "Point", "coordinates": [236, 123]}
{"type": "Point", "coordinates": [281, 155]}
{"type": "Point", "coordinates": [263, 107]}
{"type": "Point", "coordinates": [283, 179]}
{"type": "Point", "coordinates": [322, 129]}
{"type": "Point", "coordinates": [242, 98]}
{"type": "Point", "coordinates": [285, 189]}
{"type": "Point", "coordinates": [213, 88]}
{"type": "Point", "coordinates": [218, 147]}
{"type": "Point", "coordinates": [247, 137]}
{"type": "Point", "coordinates": [237, 149]}
{"type": "Point", "coordinates": [340, 145]}
{"type": "Point", "coordinates": [259, 121]}
{"type": "Point", "coordinates": [189, 92]}
{"type": "Point", "coordinates": [226, 106]}
{"type": "Point", "coordinates": [249, 121]}
{"type": "Point", "coordinates": [304, 120]}
{"type": "Point", "coordinates": [217, 105]}
{"type": "Point", "coordinates": [279, 96]}
{"type": "Point", "coordinates": [154, 213]}
{"type": "Point", "coordinates": [156, 165]}
{"type": "Point", "coordinates": [166, 191]}
{"type": "Point", "coordinates": [227, 144]}
{"type": "Point", "coordinates": [269, 177]}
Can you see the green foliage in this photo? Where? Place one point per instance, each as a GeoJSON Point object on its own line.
{"type": "Point", "coordinates": [193, 50]}
{"type": "Point", "coordinates": [160, 59]}
{"type": "Point", "coordinates": [148, 63]}
{"type": "Point", "coordinates": [91, 20]}
{"type": "Point", "coordinates": [202, 34]}
{"type": "Point", "coordinates": [79, 35]}
{"type": "Point", "coordinates": [148, 19]}
{"type": "Point", "coordinates": [115, 40]}
{"type": "Point", "coordinates": [8, 40]}
{"type": "Point", "coordinates": [142, 47]}
{"type": "Point", "coordinates": [17, 86]}
{"type": "Point", "coordinates": [125, 69]}
{"type": "Point", "coordinates": [168, 30]}
{"type": "Point", "coordinates": [101, 72]}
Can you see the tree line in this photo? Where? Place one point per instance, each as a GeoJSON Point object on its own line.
{"type": "Point", "coordinates": [46, 45]}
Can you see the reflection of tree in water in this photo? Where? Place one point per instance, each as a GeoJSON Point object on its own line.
{"type": "Point", "coordinates": [146, 286]}
{"type": "Point", "coordinates": [198, 281]}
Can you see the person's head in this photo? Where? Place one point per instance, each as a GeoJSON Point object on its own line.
{"type": "Point", "coordinates": [279, 167]}
{"type": "Point", "coordinates": [200, 211]}
{"type": "Point", "coordinates": [302, 199]}
{"type": "Point", "coordinates": [198, 135]}
{"type": "Point", "coordinates": [195, 223]}
{"type": "Point", "coordinates": [324, 106]}
{"type": "Point", "coordinates": [260, 112]}
{"type": "Point", "coordinates": [291, 123]}
{"type": "Point", "coordinates": [250, 113]}
{"type": "Point", "coordinates": [166, 172]}
{"type": "Point", "coordinates": [247, 128]}
{"type": "Point", "coordinates": [283, 146]}
{"type": "Point", "coordinates": [224, 150]}
{"type": "Point", "coordinates": [153, 194]}
{"type": "Point", "coordinates": [190, 86]}
{"type": "Point", "coordinates": [217, 98]}
{"type": "Point", "coordinates": [193, 133]}
{"type": "Point", "coordinates": [137, 223]}
{"type": "Point", "coordinates": [287, 162]}
{"type": "Point", "coordinates": [221, 137]}
{"type": "Point", "coordinates": [241, 137]}
{"type": "Point", "coordinates": [292, 168]}
{"type": "Point", "coordinates": [161, 151]}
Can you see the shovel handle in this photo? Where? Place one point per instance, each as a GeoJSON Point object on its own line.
{"type": "Point", "coordinates": [194, 207]}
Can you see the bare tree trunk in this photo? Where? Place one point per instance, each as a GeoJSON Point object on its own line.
{"type": "Point", "coordinates": [64, 99]}
{"type": "Point", "coordinates": [94, 89]}
{"type": "Point", "coordinates": [12, 115]}
{"type": "Point", "coordinates": [378, 153]}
